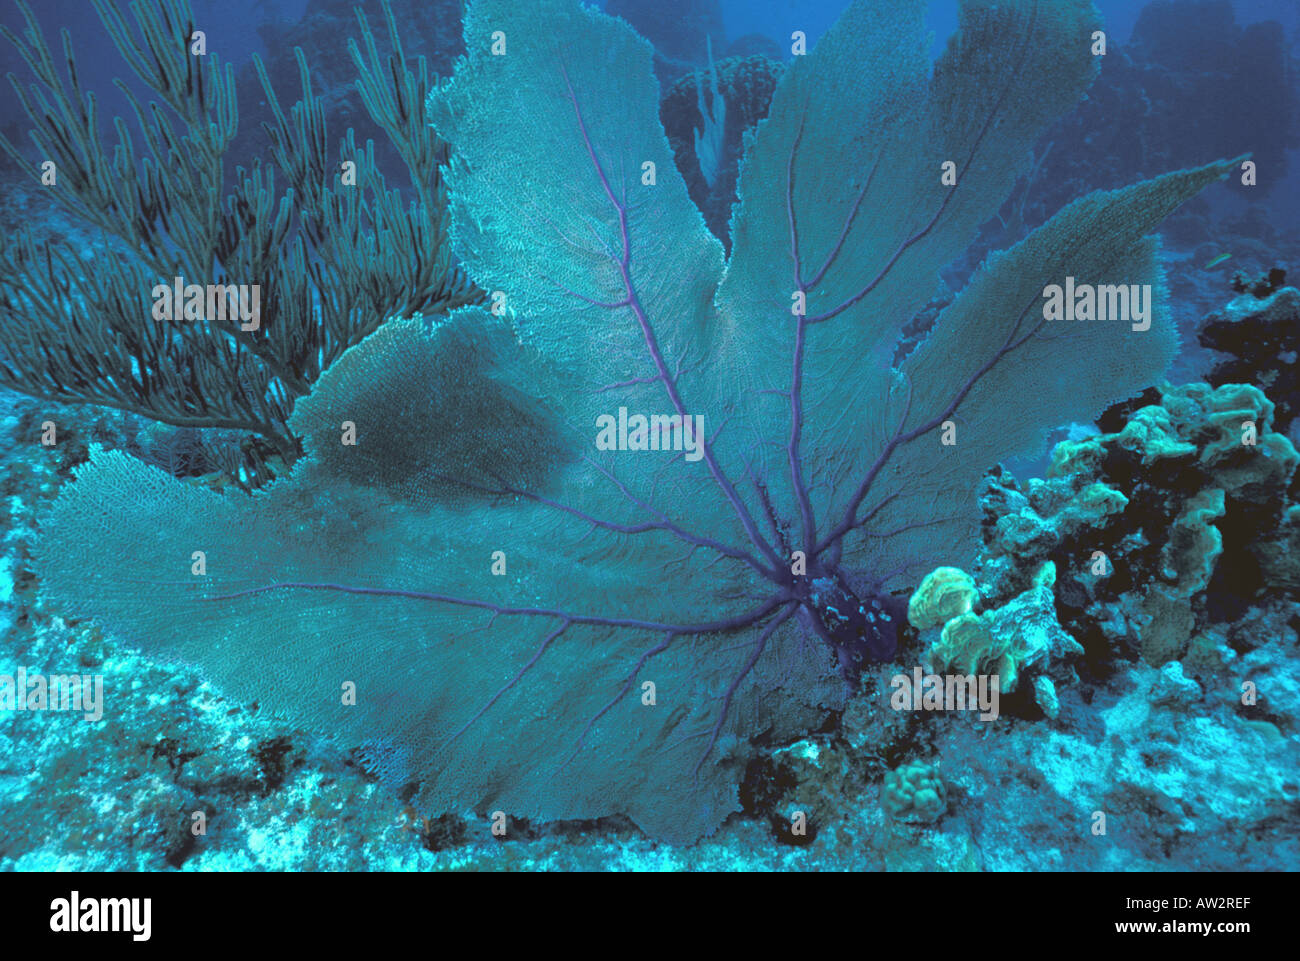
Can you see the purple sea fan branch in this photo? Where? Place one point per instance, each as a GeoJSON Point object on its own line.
{"type": "Point", "coordinates": [756, 651]}
{"type": "Point", "coordinates": [498, 610]}
{"type": "Point", "coordinates": [664, 523]}
{"type": "Point", "coordinates": [797, 481]}
{"type": "Point", "coordinates": [994, 112]}
{"type": "Point", "coordinates": [651, 341]}
{"type": "Point", "coordinates": [849, 521]}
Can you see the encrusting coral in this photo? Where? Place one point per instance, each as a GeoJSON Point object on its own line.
{"type": "Point", "coordinates": [944, 593]}
{"type": "Point", "coordinates": [1178, 519]}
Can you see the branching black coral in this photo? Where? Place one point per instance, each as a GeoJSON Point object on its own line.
{"type": "Point", "coordinates": [332, 257]}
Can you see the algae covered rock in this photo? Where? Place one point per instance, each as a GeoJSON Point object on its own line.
{"type": "Point", "coordinates": [1279, 556]}
{"type": "Point", "coordinates": [1173, 687]}
{"type": "Point", "coordinates": [1194, 543]}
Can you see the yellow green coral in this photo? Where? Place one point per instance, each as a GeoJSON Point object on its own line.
{"type": "Point", "coordinates": [1071, 457]}
{"type": "Point", "coordinates": [945, 593]}
{"type": "Point", "coordinates": [966, 645]}
{"type": "Point", "coordinates": [915, 792]}
{"type": "Point", "coordinates": [1097, 500]}
{"type": "Point", "coordinates": [1230, 427]}
{"type": "Point", "coordinates": [1002, 641]}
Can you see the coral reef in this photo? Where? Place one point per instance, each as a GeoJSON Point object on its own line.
{"type": "Point", "coordinates": [633, 659]}
{"type": "Point", "coordinates": [453, 519]}
{"type": "Point", "coordinates": [1260, 333]}
{"type": "Point", "coordinates": [1168, 526]}
{"type": "Point", "coordinates": [1186, 774]}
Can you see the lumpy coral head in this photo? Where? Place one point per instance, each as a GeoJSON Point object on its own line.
{"type": "Point", "coordinates": [548, 559]}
